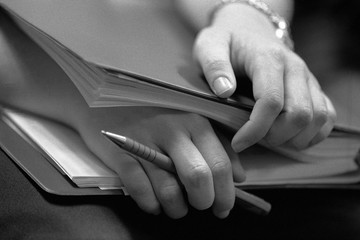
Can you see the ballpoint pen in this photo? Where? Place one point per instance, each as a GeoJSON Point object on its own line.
{"type": "Point", "coordinates": [246, 200]}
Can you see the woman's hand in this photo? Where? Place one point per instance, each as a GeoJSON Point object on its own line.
{"type": "Point", "coordinates": [290, 108]}
{"type": "Point", "coordinates": [204, 171]}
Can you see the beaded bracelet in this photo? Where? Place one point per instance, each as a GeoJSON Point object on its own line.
{"type": "Point", "coordinates": [280, 24]}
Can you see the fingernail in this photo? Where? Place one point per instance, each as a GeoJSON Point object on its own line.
{"type": "Point", "coordinates": [221, 86]}
{"type": "Point", "coordinates": [223, 214]}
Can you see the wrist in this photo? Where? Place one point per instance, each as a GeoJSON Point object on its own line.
{"type": "Point", "coordinates": [254, 8]}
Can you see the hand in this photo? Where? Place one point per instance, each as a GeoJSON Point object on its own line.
{"type": "Point", "coordinates": [290, 107]}
{"type": "Point", "coordinates": [203, 167]}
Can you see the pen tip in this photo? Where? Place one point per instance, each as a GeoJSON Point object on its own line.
{"type": "Point", "coordinates": [106, 134]}
{"type": "Point", "coordinates": [113, 136]}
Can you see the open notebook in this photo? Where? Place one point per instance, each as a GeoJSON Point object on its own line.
{"type": "Point", "coordinates": [333, 162]}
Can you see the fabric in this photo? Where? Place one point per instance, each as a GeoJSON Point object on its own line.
{"type": "Point", "coordinates": [27, 212]}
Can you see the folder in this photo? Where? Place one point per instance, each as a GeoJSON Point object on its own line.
{"type": "Point", "coordinates": [37, 166]}
{"type": "Point", "coordinates": [59, 148]}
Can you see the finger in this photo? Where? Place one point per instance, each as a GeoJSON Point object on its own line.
{"type": "Point", "coordinates": [127, 167]}
{"type": "Point", "coordinates": [137, 183]}
{"type": "Point", "coordinates": [192, 170]}
{"type": "Point", "coordinates": [327, 128]}
{"type": "Point", "coordinates": [266, 72]}
{"type": "Point", "coordinates": [167, 190]}
{"type": "Point", "coordinates": [212, 53]}
{"type": "Point", "coordinates": [237, 169]}
{"type": "Point", "coordinates": [320, 118]}
{"type": "Point", "coordinates": [214, 154]}
{"type": "Point", "coordinates": [298, 105]}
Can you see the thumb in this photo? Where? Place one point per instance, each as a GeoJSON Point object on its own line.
{"type": "Point", "coordinates": [211, 51]}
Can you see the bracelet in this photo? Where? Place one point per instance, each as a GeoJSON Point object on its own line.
{"type": "Point", "coordinates": [281, 26]}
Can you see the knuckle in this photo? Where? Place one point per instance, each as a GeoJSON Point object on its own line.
{"type": "Point", "coordinates": [301, 116]}
{"type": "Point", "coordinates": [298, 67]}
{"type": "Point", "coordinates": [274, 52]}
{"type": "Point", "coordinates": [321, 116]}
{"type": "Point", "coordinates": [221, 168]}
{"type": "Point", "coordinates": [197, 176]}
{"type": "Point", "coordinates": [169, 194]}
{"type": "Point", "coordinates": [274, 101]}
{"type": "Point", "coordinates": [269, 56]}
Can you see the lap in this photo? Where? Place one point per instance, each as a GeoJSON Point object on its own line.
{"type": "Point", "coordinates": [26, 211]}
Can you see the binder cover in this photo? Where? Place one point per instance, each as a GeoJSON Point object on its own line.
{"type": "Point", "coordinates": [34, 164]}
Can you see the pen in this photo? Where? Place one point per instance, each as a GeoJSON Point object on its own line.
{"type": "Point", "coordinates": [246, 200]}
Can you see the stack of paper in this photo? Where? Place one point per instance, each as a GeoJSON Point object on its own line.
{"type": "Point", "coordinates": [139, 53]}
{"type": "Point", "coordinates": [125, 53]}
{"type": "Point", "coordinates": [64, 148]}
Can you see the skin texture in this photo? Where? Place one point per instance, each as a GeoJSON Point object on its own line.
{"type": "Point", "coordinates": [291, 109]}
